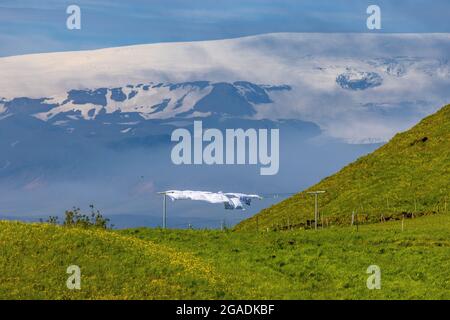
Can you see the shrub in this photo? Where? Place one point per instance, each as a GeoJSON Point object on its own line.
{"type": "Point", "coordinates": [75, 218]}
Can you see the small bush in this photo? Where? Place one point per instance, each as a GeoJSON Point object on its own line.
{"type": "Point", "coordinates": [75, 218]}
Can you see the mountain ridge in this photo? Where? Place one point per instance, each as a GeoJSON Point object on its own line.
{"type": "Point", "coordinates": [149, 101]}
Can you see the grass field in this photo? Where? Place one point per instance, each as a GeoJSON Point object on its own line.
{"type": "Point", "coordinates": [34, 259]}
{"type": "Point", "coordinates": [156, 264]}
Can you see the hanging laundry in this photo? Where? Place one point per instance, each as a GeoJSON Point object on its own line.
{"type": "Point", "coordinates": [231, 201]}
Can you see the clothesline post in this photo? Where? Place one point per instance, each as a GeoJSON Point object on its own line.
{"type": "Point", "coordinates": [164, 213]}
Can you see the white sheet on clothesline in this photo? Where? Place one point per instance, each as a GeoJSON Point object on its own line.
{"type": "Point", "coordinates": [230, 200]}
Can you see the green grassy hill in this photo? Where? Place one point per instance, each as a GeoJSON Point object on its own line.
{"type": "Point", "coordinates": [34, 260]}
{"type": "Point", "coordinates": [410, 175]}
{"type": "Point", "coordinates": [191, 264]}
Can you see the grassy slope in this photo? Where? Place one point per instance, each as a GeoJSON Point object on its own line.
{"type": "Point", "coordinates": [152, 263]}
{"type": "Point", "coordinates": [34, 259]}
{"type": "Point", "coordinates": [409, 174]}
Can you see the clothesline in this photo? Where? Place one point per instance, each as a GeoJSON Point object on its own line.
{"type": "Point", "coordinates": [231, 201]}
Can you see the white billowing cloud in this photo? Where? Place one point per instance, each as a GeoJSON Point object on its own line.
{"type": "Point", "coordinates": [414, 70]}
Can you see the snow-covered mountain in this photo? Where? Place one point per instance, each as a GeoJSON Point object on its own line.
{"type": "Point", "coordinates": [147, 101]}
{"type": "Point", "coordinates": [99, 122]}
{"type": "Point", "coordinates": [323, 78]}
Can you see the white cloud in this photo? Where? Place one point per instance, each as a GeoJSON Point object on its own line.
{"type": "Point", "coordinates": [309, 63]}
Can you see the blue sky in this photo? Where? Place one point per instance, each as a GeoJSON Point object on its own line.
{"type": "Point", "coordinates": [39, 26]}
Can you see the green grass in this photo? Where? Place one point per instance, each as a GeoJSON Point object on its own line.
{"type": "Point", "coordinates": [325, 264]}
{"type": "Point", "coordinates": [192, 264]}
{"type": "Point", "coordinates": [409, 175]}
{"type": "Point", "coordinates": [34, 259]}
